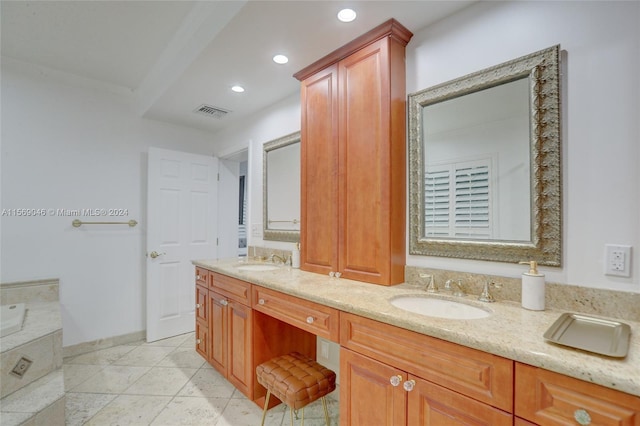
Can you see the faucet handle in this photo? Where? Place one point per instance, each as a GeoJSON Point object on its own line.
{"type": "Point", "coordinates": [431, 286]}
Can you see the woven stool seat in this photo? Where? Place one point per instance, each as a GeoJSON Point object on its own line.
{"type": "Point", "coordinates": [296, 380]}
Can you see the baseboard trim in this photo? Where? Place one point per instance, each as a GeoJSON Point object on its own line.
{"type": "Point", "coordinates": [82, 348]}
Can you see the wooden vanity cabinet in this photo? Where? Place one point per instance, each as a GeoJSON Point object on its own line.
{"type": "Point", "coordinates": [353, 158]}
{"type": "Point", "coordinates": [202, 313]}
{"type": "Point", "coordinates": [436, 382]}
{"type": "Point", "coordinates": [230, 330]}
{"type": "Point", "coordinates": [547, 398]}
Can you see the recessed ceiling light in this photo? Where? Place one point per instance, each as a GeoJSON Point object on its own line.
{"type": "Point", "coordinates": [347, 15]}
{"type": "Point", "coordinates": [280, 59]}
{"type": "Point", "coordinates": [238, 89]}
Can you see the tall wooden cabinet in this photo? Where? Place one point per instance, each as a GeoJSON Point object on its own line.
{"type": "Point", "coordinates": [353, 158]}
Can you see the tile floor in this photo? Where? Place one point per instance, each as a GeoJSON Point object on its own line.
{"type": "Point", "coordinates": [164, 383]}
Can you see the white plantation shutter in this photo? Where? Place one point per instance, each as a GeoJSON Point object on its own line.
{"type": "Point", "coordinates": [437, 201]}
{"type": "Point", "coordinates": [458, 200]}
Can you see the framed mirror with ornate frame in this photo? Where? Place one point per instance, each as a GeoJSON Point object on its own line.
{"type": "Point", "coordinates": [485, 166]}
{"type": "Point", "coordinates": [281, 188]}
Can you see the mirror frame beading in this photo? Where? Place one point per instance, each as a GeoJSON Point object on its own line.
{"type": "Point", "coordinates": [543, 70]}
{"type": "Point", "coordinates": [275, 234]}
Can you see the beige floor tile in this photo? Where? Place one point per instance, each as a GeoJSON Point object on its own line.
{"type": "Point", "coordinates": [207, 382]}
{"type": "Point", "coordinates": [144, 356]}
{"type": "Point", "coordinates": [182, 357]}
{"type": "Point", "coordinates": [191, 411]}
{"type": "Point", "coordinates": [171, 341]}
{"type": "Point", "coordinates": [102, 356]}
{"type": "Point", "coordinates": [190, 342]}
{"type": "Point", "coordinates": [135, 410]}
{"type": "Point", "coordinates": [112, 379]}
{"type": "Point", "coordinates": [74, 374]}
{"type": "Point", "coordinates": [80, 407]}
{"type": "Point", "coordinates": [242, 412]}
{"type": "Point", "coordinates": [161, 381]}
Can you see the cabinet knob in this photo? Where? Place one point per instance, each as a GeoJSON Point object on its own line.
{"type": "Point", "coordinates": [582, 417]}
{"type": "Point", "coordinates": [198, 277]}
{"type": "Point", "coordinates": [395, 380]}
{"type": "Point", "coordinates": [261, 302]}
{"type": "Point", "coordinates": [409, 385]}
{"type": "Point", "coordinates": [223, 302]}
{"type": "Point", "coordinates": [197, 306]}
{"type": "Point", "coordinates": [310, 320]}
{"type": "Point", "coordinates": [198, 341]}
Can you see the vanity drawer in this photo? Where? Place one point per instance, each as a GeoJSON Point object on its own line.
{"type": "Point", "coordinates": [233, 288]}
{"type": "Point", "coordinates": [320, 320]}
{"type": "Point", "coordinates": [202, 276]}
{"type": "Point", "coordinates": [482, 376]}
{"type": "Point", "coordinates": [549, 398]}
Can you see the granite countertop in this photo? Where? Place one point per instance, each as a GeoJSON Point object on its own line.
{"type": "Point", "coordinates": [510, 331]}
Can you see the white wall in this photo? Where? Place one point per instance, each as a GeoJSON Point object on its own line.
{"type": "Point", "coordinates": [601, 110]}
{"type": "Point", "coordinates": [281, 119]}
{"type": "Point", "coordinates": [70, 146]}
{"type": "Point", "coordinates": [601, 129]}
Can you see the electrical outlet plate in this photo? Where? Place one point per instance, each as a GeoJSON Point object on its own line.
{"type": "Point", "coordinates": [617, 260]}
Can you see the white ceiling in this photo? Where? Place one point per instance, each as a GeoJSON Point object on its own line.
{"type": "Point", "coordinates": [174, 56]}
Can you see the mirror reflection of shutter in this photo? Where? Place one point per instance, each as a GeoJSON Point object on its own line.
{"type": "Point", "coordinates": [457, 199]}
{"type": "Point", "coordinates": [472, 202]}
{"type": "Point", "coordinates": [436, 202]}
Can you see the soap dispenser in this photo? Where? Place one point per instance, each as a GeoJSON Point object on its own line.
{"type": "Point", "coordinates": [533, 287]}
{"type": "Point", "coordinates": [295, 256]}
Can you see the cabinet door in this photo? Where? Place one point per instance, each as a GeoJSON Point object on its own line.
{"type": "Point", "coordinates": [366, 394]}
{"type": "Point", "coordinates": [319, 172]}
{"type": "Point", "coordinates": [372, 166]}
{"type": "Point", "coordinates": [240, 368]}
{"type": "Point", "coordinates": [433, 405]}
{"type": "Point", "coordinates": [202, 301]}
{"type": "Point", "coordinates": [218, 331]}
{"type": "Point", "coordinates": [363, 139]}
{"type": "Point", "coordinates": [202, 340]}
{"type": "Point", "coordinates": [548, 398]}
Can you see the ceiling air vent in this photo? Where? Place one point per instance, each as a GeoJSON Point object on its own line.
{"type": "Point", "coordinates": [211, 111]}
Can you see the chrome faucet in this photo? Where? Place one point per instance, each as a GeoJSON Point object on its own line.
{"type": "Point", "coordinates": [455, 287]}
{"type": "Point", "coordinates": [280, 258]}
{"type": "Point", "coordinates": [486, 296]}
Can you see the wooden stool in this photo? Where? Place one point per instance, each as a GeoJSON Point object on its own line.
{"type": "Point", "coordinates": [297, 381]}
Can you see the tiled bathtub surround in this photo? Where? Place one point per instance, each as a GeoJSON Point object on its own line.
{"type": "Point", "coordinates": [37, 397]}
{"type": "Point", "coordinates": [615, 304]}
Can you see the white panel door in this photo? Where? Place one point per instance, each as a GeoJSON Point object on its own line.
{"type": "Point", "coordinates": [181, 227]}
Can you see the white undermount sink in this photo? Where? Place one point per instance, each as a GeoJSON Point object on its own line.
{"type": "Point", "coordinates": [441, 308]}
{"type": "Point", "coordinates": [260, 267]}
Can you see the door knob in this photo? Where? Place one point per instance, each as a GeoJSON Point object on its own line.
{"type": "Point", "coordinates": [155, 254]}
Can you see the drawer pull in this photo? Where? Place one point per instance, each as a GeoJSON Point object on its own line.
{"type": "Point", "coordinates": [582, 417]}
{"type": "Point", "coordinates": [223, 302]}
{"type": "Point", "coordinates": [261, 302]}
{"type": "Point", "coordinates": [409, 385]}
{"type": "Point", "coordinates": [310, 320]}
{"type": "Point", "coordinates": [395, 380]}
